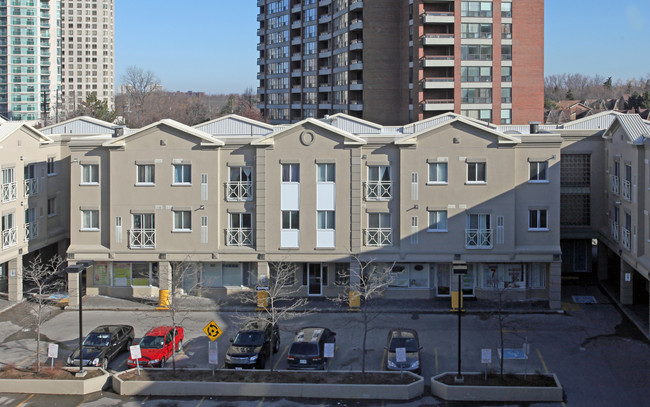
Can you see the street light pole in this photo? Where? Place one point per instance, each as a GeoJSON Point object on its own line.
{"type": "Point", "coordinates": [459, 268]}
{"type": "Point", "coordinates": [79, 268]}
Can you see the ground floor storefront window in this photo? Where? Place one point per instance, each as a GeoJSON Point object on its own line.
{"type": "Point", "coordinates": [216, 275]}
{"type": "Point", "coordinates": [125, 274]}
{"type": "Point", "coordinates": [513, 275]}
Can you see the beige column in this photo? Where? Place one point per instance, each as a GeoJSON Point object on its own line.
{"type": "Point", "coordinates": [74, 280]}
{"type": "Point", "coordinates": [601, 265]}
{"type": "Point", "coordinates": [15, 276]}
{"type": "Point", "coordinates": [626, 294]}
{"type": "Point", "coordinates": [165, 275]}
{"type": "Point", "coordinates": [555, 285]}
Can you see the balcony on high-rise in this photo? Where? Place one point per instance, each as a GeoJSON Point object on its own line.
{"type": "Point", "coordinates": [438, 39]}
{"type": "Point", "coordinates": [430, 17]}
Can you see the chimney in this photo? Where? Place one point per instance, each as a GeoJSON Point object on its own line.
{"type": "Point", "coordinates": [118, 132]}
{"type": "Point", "coordinates": [534, 127]}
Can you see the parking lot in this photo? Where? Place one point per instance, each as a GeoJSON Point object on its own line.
{"type": "Point", "coordinates": [599, 357]}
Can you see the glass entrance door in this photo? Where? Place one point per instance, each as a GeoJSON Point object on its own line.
{"type": "Point", "coordinates": [314, 279]}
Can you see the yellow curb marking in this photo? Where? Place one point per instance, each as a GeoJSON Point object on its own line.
{"type": "Point", "coordinates": [24, 401]}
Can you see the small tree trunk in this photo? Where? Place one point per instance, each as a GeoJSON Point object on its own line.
{"type": "Point", "coordinates": [365, 335]}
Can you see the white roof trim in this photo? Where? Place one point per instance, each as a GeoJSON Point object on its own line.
{"type": "Point", "coordinates": [503, 138]}
{"type": "Point", "coordinates": [9, 128]}
{"type": "Point", "coordinates": [237, 117]}
{"type": "Point", "coordinates": [350, 138]}
{"type": "Point", "coordinates": [207, 139]}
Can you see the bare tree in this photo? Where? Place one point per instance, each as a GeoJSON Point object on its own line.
{"type": "Point", "coordinates": [368, 281]}
{"type": "Point", "coordinates": [138, 85]}
{"type": "Point", "coordinates": [283, 301]}
{"type": "Point", "coordinates": [504, 319]}
{"type": "Point", "coordinates": [44, 279]}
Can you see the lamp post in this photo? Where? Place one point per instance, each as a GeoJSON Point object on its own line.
{"type": "Point", "coordinates": [79, 268]}
{"type": "Point", "coordinates": [460, 269]}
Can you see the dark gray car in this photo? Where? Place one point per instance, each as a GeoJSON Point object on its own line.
{"type": "Point", "coordinates": [253, 345]}
{"type": "Point", "coordinates": [103, 344]}
{"type": "Point", "coordinates": [407, 339]}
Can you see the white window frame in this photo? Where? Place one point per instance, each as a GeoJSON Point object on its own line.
{"type": "Point", "coordinates": [329, 172]}
{"type": "Point", "coordinates": [89, 219]}
{"type": "Point", "coordinates": [51, 170]}
{"type": "Point", "coordinates": [51, 207]}
{"type": "Point", "coordinates": [534, 172]}
{"type": "Point", "coordinates": [329, 217]}
{"type": "Point", "coordinates": [291, 225]}
{"type": "Point", "coordinates": [476, 172]}
{"type": "Point", "coordinates": [89, 174]}
{"type": "Point", "coordinates": [438, 182]}
{"type": "Point", "coordinates": [182, 221]}
{"type": "Point", "coordinates": [241, 235]}
{"type": "Point", "coordinates": [381, 188]}
{"type": "Point", "coordinates": [292, 172]}
{"type": "Point", "coordinates": [149, 176]}
{"type": "Point", "coordinates": [186, 171]}
{"type": "Point", "coordinates": [537, 213]}
{"type": "Point", "coordinates": [437, 213]}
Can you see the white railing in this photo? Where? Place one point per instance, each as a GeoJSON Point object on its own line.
{"type": "Point", "coordinates": [239, 237]}
{"type": "Point", "coordinates": [625, 238]}
{"type": "Point", "coordinates": [379, 237]}
{"type": "Point", "coordinates": [31, 231]}
{"type": "Point", "coordinates": [239, 191]}
{"type": "Point", "coordinates": [31, 187]}
{"type": "Point", "coordinates": [378, 190]}
{"type": "Point", "coordinates": [9, 237]}
{"type": "Point", "coordinates": [9, 192]}
{"type": "Point", "coordinates": [613, 183]}
{"type": "Point", "coordinates": [142, 238]}
{"type": "Point", "coordinates": [478, 238]}
{"type": "Point", "coordinates": [626, 190]}
{"type": "Point", "coordinates": [614, 230]}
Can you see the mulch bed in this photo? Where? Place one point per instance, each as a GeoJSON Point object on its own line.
{"type": "Point", "coordinates": [531, 380]}
{"type": "Point", "coordinates": [56, 374]}
{"type": "Point", "coordinates": [251, 376]}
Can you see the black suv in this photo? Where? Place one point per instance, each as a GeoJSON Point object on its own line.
{"type": "Point", "coordinates": [308, 348]}
{"type": "Point", "coordinates": [252, 345]}
{"type": "Point", "coordinates": [103, 344]}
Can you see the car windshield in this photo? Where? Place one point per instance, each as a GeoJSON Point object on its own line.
{"type": "Point", "coordinates": [304, 348]}
{"type": "Point", "coordinates": [97, 339]}
{"type": "Point", "coordinates": [408, 343]}
{"type": "Point", "coordinates": [152, 342]}
{"type": "Point", "coordinates": [249, 339]}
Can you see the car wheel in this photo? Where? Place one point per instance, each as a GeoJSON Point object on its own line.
{"type": "Point", "coordinates": [105, 364]}
{"type": "Point", "coordinates": [127, 345]}
{"type": "Point", "coordinates": [276, 345]}
{"type": "Point", "coordinates": [325, 364]}
{"type": "Point", "coordinates": [179, 347]}
{"type": "Point", "coordinates": [261, 362]}
{"type": "Point", "coordinates": [162, 362]}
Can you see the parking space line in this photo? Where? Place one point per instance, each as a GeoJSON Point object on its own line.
{"type": "Point", "coordinates": [541, 359]}
{"type": "Point", "coordinates": [201, 401]}
{"type": "Point", "coordinates": [435, 353]}
{"type": "Point", "coordinates": [277, 362]}
{"type": "Point", "coordinates": [261, 401]}
{"type": "Point", "coordinates": [31, 356]}
{"type": "Point", "coordinates": [145, 400]}
{"type": "Point", "coordinates": [81, 402]}
{"type": "Point", "coordinates": [182, 352]}
{"type": "Point", "coordinates": [24, 401]}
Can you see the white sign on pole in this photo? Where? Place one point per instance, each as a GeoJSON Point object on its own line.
{"type": "Point", "coordinates": [400, 354]}
{"type": "Point", "coordinates": [486, 356]}
{"type": "Point", "coordinates": [329, 350]}
{"type": "Point", "coordinates": [53, 351]}
{"type": "Point", "coordinates": [628, 277]}
{"type": "Point", "coordinates": [213, 353]}
{"type": "Point", "coordinates": [135, 352]}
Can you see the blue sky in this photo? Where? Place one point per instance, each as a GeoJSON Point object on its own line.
{"type": "Point", "coordinates": [211, 45]}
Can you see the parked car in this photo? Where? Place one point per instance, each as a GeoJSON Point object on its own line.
{"type": "Point", "coordinates": [103, 344]}
{"type": "Point", "coordinates": [407, 339]}
{"type": "Point", "coordinates": [253, 345]}
{"type": "Point", "coordinates": [157, 346]}
{"type": "Point", "coordinates": [308, 348]}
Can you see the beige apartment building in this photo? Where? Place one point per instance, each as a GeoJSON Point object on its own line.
{"type": "Point", "coordinates": [34, 201]}
{"type": "Point", "coordinates": [233, 195]}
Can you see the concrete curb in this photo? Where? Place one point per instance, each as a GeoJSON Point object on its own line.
{"type": "Point", "coordinates": [11, 305]}
{"type": "Point", "coordinates": [49, 386]}
{"type": "Point", "coordinates": [630, 316]}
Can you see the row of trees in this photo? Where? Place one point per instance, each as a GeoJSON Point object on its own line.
{"type": "Point", "coordinates": [575, 86]}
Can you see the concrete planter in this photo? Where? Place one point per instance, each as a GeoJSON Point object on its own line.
{"type": "Point", "coordinates": [299, 390]}
{"type": "Point", "coordinates": [56, 386]}
{"type": "Point", "coordinates": [495, 393]}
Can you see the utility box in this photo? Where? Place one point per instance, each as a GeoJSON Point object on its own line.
{"type": "Point", "coordinates": [355, 300]}
{"type": "Point", "coordinates": [454, 300]}
{"type": "Point", "coordinates": [262, 299]}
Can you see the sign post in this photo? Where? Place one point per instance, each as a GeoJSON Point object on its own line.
{"type": "Point", "coordinates": [329, 354]}
{"type": "Point", "coordinates": [400, 357]}
{"type": "Point", "coordinates": [213, 331]}
{"type": "Point", "coordinates": [136, 354]}
{"type": "Point", "coordinates": [486, 359]}
{"type": "Point", "coordinates": [53, 352]}
{"type": "Point", "coordinates": [460, 269]}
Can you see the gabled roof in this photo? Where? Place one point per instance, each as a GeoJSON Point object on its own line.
{"type": "Point", "coordinates": [600, 120]}
{"type": "Point", "coordinates": [636, 129]}
{"type": "Point", "coordinates": [347, 118]}
{"type": "Point", "coordinates": [234, 125]}
{"type": "Point", "coordinates": [503, 138]}
{"type": "Point", "coordinates": [349, 137]}
{"type": "Point", "coordinates": [206, 139]}
{"type": "Point", "coordinates": [55, 128]}
{"type": "Point", "coordinates": [8, 128]}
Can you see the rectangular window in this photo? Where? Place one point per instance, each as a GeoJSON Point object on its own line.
{"type": "Point", "coordinates": [506, 74]}
{"type": "Point", "coordinates": [240, 185]}
{"type": "Point", "coordinates": [90, 219]}
{"type": "Point", "coordinates": [476, 52]}
{"type": "Point", "coordinates": [506, 116]}
{"type": "Point", "coordinates": [437, 221]}
{"type": "Point", "coordinates": [182, 174]}
{"type": "Point", "coordinates": [325, 220]}
{"type": "Point", "coordinates": [475, 30]}
{"type": "Point", "coordinates": [478, 234]}
{"type": "Point", "coordinates": [326, 173]}
{"type": "Point", "coordinates": [50, 165]}
{"type": "Point", "coordinates": [537, 219]}
{"type": "Point", "coordinates": [437, 173]}
{"type": "Point", "coordinates": [476, 95]}
{"type": "Point", "coordinates": [476, 173]}
{"type": "Point", "coordinates": [476, 9]}
{"type": "Point", "coordinates": [379, 231]}
{"type": "Point", "coordinates": [146, 174]}
{"type": "Point", "coordinates": [538, 171]}
{"type": "Point", "coordinates": [506, 9]}
{"type": "Point", "coordinates": [506, 52]}
{"type": "Point", "coordinates": [290, 172]}
{"type": "Point", "coordinates": [90, 174]}
{"type": "Point", "coordinates": [506, 30]}
{"type": "Point", "coordinates": [291, 220]}
{"type": "Point", "coordinates": [182, 221]}
{"type": "Point", "coordinates": [51, 206]}
{"type": "Point", "coordinates": [379, 182]}
{"type": "Point", "coordinates": [506, 95]}
{"type": "Point", "coordinates": [240, 229]}
{"type": "Point", "coordinates": [476, 74]}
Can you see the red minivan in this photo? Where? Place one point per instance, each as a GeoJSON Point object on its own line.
{"type": "Point", "coordinates": [158, 345]}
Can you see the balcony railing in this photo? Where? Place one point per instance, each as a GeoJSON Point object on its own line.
{"type": "Point", "coordinates": [613, 231]}
{"type": "Point", "coordinates": [31, 231]}
{"type": "Point", "coordinates": [9, 192]}
{"type": "Point", "coordinates": [142, 239]}
{"type": "Point", "coordinates": [478, 238]}
{"type": "Point", "coordinates": [613, 183]}
{"type": "Point", "coordinates": [378, 190]}
{"type": "Point", "coordinates": [239, 237]}
{"type": "Point", "coordinates": [626, 190]}
{"type": "Point", "coordinates": [379, 237]}
{"type": "Point", "coordinates": [625, 238]}
{"type": "Point", "coordinates": [8, 237]}
{"type": "Point", "coordinates": [239, 191]}
{"type": "Point", "coordinates": [31, 187]}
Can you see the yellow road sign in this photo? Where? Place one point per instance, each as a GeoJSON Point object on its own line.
{"type": "Point", "coordinates": [212, 330]}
